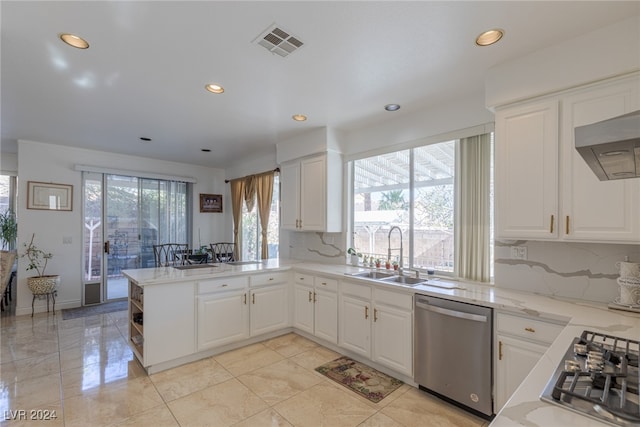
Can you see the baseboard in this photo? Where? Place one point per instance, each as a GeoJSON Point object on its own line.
{"type": "Point", "coordinates": [40, 306]}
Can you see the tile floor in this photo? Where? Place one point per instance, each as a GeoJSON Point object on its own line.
{"type": "Point", "coordinates": [83, 371]}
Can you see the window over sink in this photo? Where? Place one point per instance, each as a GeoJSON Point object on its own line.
{"type": "Point", "coordinates": [419, 190]}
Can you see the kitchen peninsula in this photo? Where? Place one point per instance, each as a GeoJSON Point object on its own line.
{"type": "Point", "coordinates": [192, 314]}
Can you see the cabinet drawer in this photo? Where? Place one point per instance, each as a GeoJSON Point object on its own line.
{"type": "Point", "coordinates": [360, 291]}
{"type": "Point", "coordinates": [326, 283]}
{"type": "Point", "coordinates": [400, 300]}
{"type": "Point", "coordinates": [269, 279]}
{"type": "Point", "coordinates": [224, 284]}
{"type": "Point", "coordinates": [303, 279]}
{"type": "Point", "coordinates": [528, 328]}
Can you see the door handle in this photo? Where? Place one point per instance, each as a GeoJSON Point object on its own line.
{"type": "Point", "coordinates": [314, 297]}
{"type": "Point", "coordinates": [253, 298]}
{"type": "Point", "coordinates": [499, 350]}
{"type": "Point", "coordinates": [566, 225]}
{"type": "Point", "coordinates": [245, 299]}
{"type": "Point", "coordinates": [309, 296]}
{"type": "Point", "coordinates": [366, 312]}
{"type": "Point", "coordinates": [551, 225]}
{"type": "Point", "coordinates": [375, 314]}
{"type": "Point", "coordinates": [106, 247]}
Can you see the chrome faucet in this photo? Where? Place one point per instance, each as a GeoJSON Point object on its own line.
{"type": "Point", "coordinates": [395, 227]}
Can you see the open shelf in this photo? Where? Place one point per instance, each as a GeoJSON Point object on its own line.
{"type": "Point", "coordinates": [136, 315]}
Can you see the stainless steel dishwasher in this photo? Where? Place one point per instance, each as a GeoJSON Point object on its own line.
{"type": "Point", "coordinates": [453, 352]}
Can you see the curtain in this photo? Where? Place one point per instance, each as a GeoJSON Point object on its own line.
{"type": "Point", "coordinates": [237, 194]}
{"type": "Point", "coordinates": [473, 228]}
{"type": "Point", "coordinates": [249, 191]}
{"type": "Point", "coordinates": [264, 194]}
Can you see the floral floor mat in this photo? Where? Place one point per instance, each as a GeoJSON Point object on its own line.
{"type": "Point", "coordinates": [364, 380]}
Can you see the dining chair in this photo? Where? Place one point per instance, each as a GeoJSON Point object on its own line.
{"type": "Point", "coordinates": [170, 254]}
{"type": "Point", "coordinates": [223, 252]}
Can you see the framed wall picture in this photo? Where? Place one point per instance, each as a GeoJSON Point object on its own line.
{"type": "Point", "coordinates": [48, 196]}
{"type": "Point", "coordinates": [210, 202]}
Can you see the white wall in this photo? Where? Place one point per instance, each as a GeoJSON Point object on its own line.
{"type": "Point", "coordinates": [55, 163]}
{"type": "Point", "coordinates": [8, 163]}
{"type": "Point", "coordinates": [602, 53]}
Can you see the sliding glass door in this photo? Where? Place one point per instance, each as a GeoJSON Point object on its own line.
{"type": "Point", "coordinates": [124, 217]}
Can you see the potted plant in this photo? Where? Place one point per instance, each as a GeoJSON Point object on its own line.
{"type": "Point", "coordinates": [355, 260]}
{"type": "Point", "coordinates": [38, 259]}
{"type": "Point", "coordinates": [387, 264]}
{"type": "Point", "coordinates": [395, 265]}
{"type": "Point", "coordinates": [8, 229]}
{"type": "Point", "coordinates": [378, 262]}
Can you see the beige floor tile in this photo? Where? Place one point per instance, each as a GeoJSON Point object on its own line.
{"type": "Point", "coordinates": [323, 405]}
{"type": "Point", "coordinates": [247, 359]}
{"type": "Point", "coordinates": [415, 408]}
{"type": "Point", "coordinates": [220, 405]}
{"type": "Point", "coordinates": [290, 344]}
{"type": "Point", "coordinates": [186, 379]}
{"type": "Point", "coordinates": [33, 367]}
{"type": "Point", "coordinates": [90, 377]}
{"type": "Point", "coordinates": [31, 393]}
{"type": "Point", "coordinates": [380, 420]}
{"type": "Point", "coordinates": [27, 346]}
{"type": "Point", "coordinates": [100, 335]}
{"type": "Point", "coordinates": [266, 418]}
{"type": "Point", "coordinates": [44, 415]}
{"type": "Point", "coordinates": [159, 416]}
{"type": "Point", "coordinates": [113, 404]}
{"type": "Point", "coordinates": [315, 357]}
{"type": "Point", "coordinates": [280, 381]}
{"type": "Point", "coordinates": [92, 353]}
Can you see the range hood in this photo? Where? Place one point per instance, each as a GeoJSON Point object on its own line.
{"type": "Point", "coordinates": [611, 147]}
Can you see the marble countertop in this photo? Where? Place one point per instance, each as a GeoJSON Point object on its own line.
{"type": "Point", "coordinates": [524, 407]}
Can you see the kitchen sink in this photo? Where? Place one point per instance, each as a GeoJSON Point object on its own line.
{"type": "Point", "coordinates": [193, 266]}
{"type": "Point", "coordinates": [405, 280]}
{"type": "Point", "coordinates": [372, 275]}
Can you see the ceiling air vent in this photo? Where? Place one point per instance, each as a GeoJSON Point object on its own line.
{"type": "Point", "coordinates": [278, 41]}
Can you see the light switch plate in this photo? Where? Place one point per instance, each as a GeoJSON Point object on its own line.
{"type": "Point", "coordinates": [67, 240]}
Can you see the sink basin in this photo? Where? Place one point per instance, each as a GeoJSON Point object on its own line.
{"type": "Point", "coordinates": [372, 275]}
{"type": "Point", "coordinates": [244, 262]}
{"type": "Point", "coordinates": [193, 266]}
{"type": "Point", "coordinates": [404, 280]}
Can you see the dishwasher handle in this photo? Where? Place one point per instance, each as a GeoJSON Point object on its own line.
{"type": "Point", "coordinates": [452, 313]}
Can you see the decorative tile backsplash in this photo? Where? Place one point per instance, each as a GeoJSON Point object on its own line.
{"type": "Point", "coordinates": [584, 271]}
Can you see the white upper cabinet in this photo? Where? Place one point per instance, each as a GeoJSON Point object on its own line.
{"type": "Point", "coordinates": [312, 193]}
{"type": "Point", "coordinates": [526, 171]}
{"type": "Point", "coordinates": [594, 209]}
{"type": "Point", "coordinates": [544, 189]}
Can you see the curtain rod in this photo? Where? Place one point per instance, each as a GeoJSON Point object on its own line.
{"type": "Point", "coordinates": [275, 170]}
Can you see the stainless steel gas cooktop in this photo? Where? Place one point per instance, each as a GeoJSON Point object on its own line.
{"type": "Point", "coordinates": [599, 377]}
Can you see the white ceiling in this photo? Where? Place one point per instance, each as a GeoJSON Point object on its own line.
{"type": "Point", "coordinates": [145, 71]}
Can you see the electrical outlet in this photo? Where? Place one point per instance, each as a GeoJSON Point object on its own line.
{"type": "Point", "coordinates": [66, 240]}
{"type": "Point", "coordinates": [518, 252]}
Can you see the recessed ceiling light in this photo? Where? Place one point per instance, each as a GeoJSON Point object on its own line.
{"type": "Point", "coordinates": [489, 37]}
{"type": "Point", "coordinates": [299, 117]}
{"type": "Point", "coordinates": [75, 41]}
{"type": "Point", "coordinates": [205, 150]}
{"type": "Point", "coordinates": [392, 107]}
{"type": "Point", "coordinates": [214, 88]}
{"type": "Point", "coordinates": [145, 139]}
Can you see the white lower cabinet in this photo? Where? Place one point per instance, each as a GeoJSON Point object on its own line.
{"type": "Point", "coordinates": [269, 308]}
{"type": "Point", "coordinates": [377, 324]}
{"type": "Point", "coordinates": [223, 311]}
{"type": "Point", "coordinates": [316, 306]}
{"type": "Point", "coordinates": [521, 342]}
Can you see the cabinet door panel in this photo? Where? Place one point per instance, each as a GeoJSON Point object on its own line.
{"type": "Point", "coordinates": [269, 309]}
{"type": "Point", "coordinates": [526, 171]}
{"type": "Point", "coordinates": [392, 338]}
{"type": "Point", "coordinates": [326, 315]}
{"type": "Point", "coordinates": [355, 325]}
{"type": "Point", "coordinates": [598, 210]}
{"type": "Point", "coordinates": [290, 194]}
{"type": "Point", "coordinates": [303, 308]}
{"type": "Point", "coordinates": [222, 319]}
{"type": "Point", "coordinates": [518, 358]}
{"type": "Point", "coordinates": [313, 193]}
